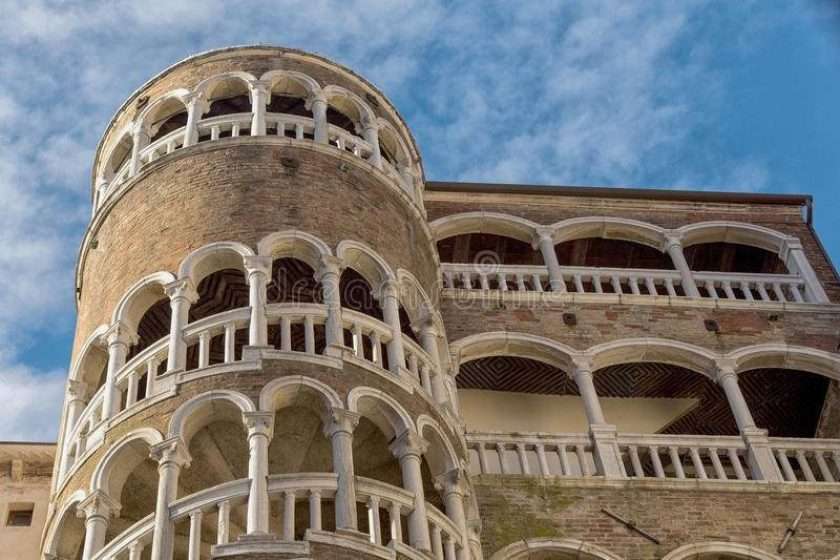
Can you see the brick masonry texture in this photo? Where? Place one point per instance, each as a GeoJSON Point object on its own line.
{"type": "Point", "coordinates": [515, 508]}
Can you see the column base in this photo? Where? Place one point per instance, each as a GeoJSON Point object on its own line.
{"type": "Point", "coordinates": [258, 543]}
{"type": "Point", "coordinates": [606, 451]}
{"type": "Point", "coordinates": [760, 457]}
{"type": "Point", "coordinates": [254, 353]}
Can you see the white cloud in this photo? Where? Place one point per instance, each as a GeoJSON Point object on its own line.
{"type": "Point", "coordinates": [30, 402]}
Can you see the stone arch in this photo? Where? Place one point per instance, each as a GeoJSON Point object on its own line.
{"type": "Point", "coordinates": [660, 350]}
{"type": "Point", "coordinates": [571, 549]}
{"type": "Point", "coordinates": [783, 356]}
{"type": "Point", "coordinates": [700, 551]}
{"type": "Point", "coordinates": [365, 261]}
{"type": "Point", "coordinates": [193, 414]}
{"type": "Point", "coordinates": [732, 232]}
{"type": "Point", "coordinates": [207, 87]}
{"type": "Point", "coordinates": [55, 548]}
{"type": "Point", "coordinates": [118, 154]}
{"type": "Point", "coordinates": [496, 223]}
{"type": "Point", "coordinates": [440, 455]}
{"type": "Point", "coordinates": [295, 244]}
{"type": "Point", "coordinates": [395, 148]}
{"type": "Point", "coordinates": [139, 298]}
{"type": "Point", "coordinates": [521, 345]}
{"type": "Point", "coordinates": [608, 228]}
{"type": "Point", "coordinates": [415, 300]}
{"type": "Point", "coordinates": [213, 257]}
{"type": "Point", "coordinates": [114, 468]}
{"type": "Point", "coordinates": [349, 104]}
{"type": "Point", "coordinates": [161, 108]}
{"type": "Point", "coordinates": [91, 361]}
{"type": "Point", "coordinates": [381, 409]}
{"type": "Point", "coordinates": [278, 392]}
{"type": "Point", "coordinates": [306, 83]}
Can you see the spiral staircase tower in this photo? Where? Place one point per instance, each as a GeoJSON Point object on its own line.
{"type": "Point", "coordinates": [259, 367]}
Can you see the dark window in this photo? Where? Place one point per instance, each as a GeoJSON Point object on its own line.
{"type": "Point", "coordinates": [20, 515]}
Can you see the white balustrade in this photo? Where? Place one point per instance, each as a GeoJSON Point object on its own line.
{"type": "Point", "coordinates": [752, 287]}
{"type": "Point", "coordinates": [418, 362]}
{"type": "Point", "coordinates": [677, 456]}
{"type": "Point", "coordinates": [135, 380]}
{"type": "Point", "coordinates": [807, 460]}
{"type": "Point", "coordinates": [538, 454]}
{"type": "Point", "coordinates": [120, 546]}
{"type": "Point", "coordinates": [368, 336]}
{"type": "Point", "coordinates": [291, 316]}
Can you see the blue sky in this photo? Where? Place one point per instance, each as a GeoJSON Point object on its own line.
{"type": "Point", "coordinates": [689, 94]}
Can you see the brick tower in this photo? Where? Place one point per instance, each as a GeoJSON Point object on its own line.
{"type": "Point", "coordinates": [290, 345]}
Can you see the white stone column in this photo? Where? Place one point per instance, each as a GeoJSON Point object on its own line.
{"type": "Point", "coordinates": [604, 436]}
{"type": "Point", "coordinates": [338, 426]}
{"type": "Point", "coordinates": [318, 104]}
{"type": "Point", "coordinates": [260, 427]}
{"type": "Point", "coordinates": [453, 487]}
{"type": "Point", "coordinates": [370, 132]}
{"type": "Point", "coordinates": [182, 295]}
{"type": "Point", "coordinates": [797, 262]}
{"type": "Point", "coordinates": [408, 448]}
{"type": "Point", "coordinates": [674, 248]}
{"type": "Point", "coordinates": [760, 456]}
{"type": "Point", "coordinates": [196, 106]}
{"type": "Point", "coordinates": [172, 456]}
{"type": "Point", "coordinates": [76, 403]}
{"type": "Point", "coordinates": [258, 269]}
{"type": "Point", "coordinates": [140, 139]}
{"type": "Point", "coordinates": [389, 297]}
{"type": "Point", "coordinates": [429, 341]}
{"type": "Point", "coordinates": [97, 509]}
{"type": "Point", "coordinates": [118, 337]}
{"type": "Point", "coordinates": [545, 242]}
{"type": "Point", "coordinates": [259, 100]}
{"type": "Point", "coordinates": [329, 276]}
{"type": "Point", "coordinates": [582, 375]}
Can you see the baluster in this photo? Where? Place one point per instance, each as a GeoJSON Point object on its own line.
{"type": "Point", "coordinates": [396, 522]}
{"type": "Point", "coordinates": [564, 460]}
{"type": "Point", "coordinates": [500, 449]}
{"type": "Point", "coordinates": [281, 128]}
{"type": "Point", "coordinates": [285, 333]}
{"type": "Point", "coordinates": [638, 471]}
{"type": "Point", "coordinates": [151, 374]}
{"type": "Point", "coordinates": [520, 282]}
{"type": "Point", "coordinates": [727, 289]}
{"type": "Point", "coordinates": [501, 277]}
{"type": "Point", "coordinates": [537, 283]}
{"type": "Point", "coordinates": [735, 461]}
{"type": "Point", "coordinates": [223, 528]}
{"type": "Point", "coordinates": [634, 285]}
{"type": "Point", "coordinates": [697, 462]}
{"type": "Point", "coordinates": [482, 459]}
{"type": "Point", "coordinates": [289, 515]}
{"type": "Point", "coordinates": [825, 472]}
{"type": "Point", "coordinates": [133, 384]}
{"type": "Point", "coordinates": [485, 284]}
{"type": "Point", "coordinates": [448, 280]}
{"type": "Point", "coordinates": [437, 543]}
{"type": "Point", "coordinates": [651, 286]}
{"type": "Point", "coordinates": [780, 295]}
{"type": "Point", "coordinates": [523, 459]}
{"type": "Point", "coordinates": [298, 131]}
{"type": "Point", "coordinates": [745, 289]}
{"type": "Point", "coordinates": [339, 142]}
{"type": "Point", "coordinates": [230, 342]}
{"type": "Point", "coordinates": [315, 510]}
{"type": "Point", "coordinates": [542, 460]}
{"type": "Point", "coordinates": [135, 551]}
{"type": "Point", "coordinates": [194, 551]}
{"type": "Point", "coordinates": [653, 451]}
{"type": "Point", "coordinates": [762, 291]}
{"type": "Point", "coordinates": [676, 461]}
{"type": "Point", "coordinates": [796, 293]}
{"type": "Point", "coordinates": [580, 451]}
{"type": "Point", "coordinates": [805, 466]}
{"type": "Point", "coordinates": [308, 334]}
{"type": "Point", "coordinates": [787, 470]}
{"type": "Point", "coordinates": [412, 364]}
{"type": "Point", "coordinates": [710, 288]}
{"type": "Point", "coordinates": [234, 130]}
{"type": "Point", "coordinates": [170, 147]}
{"type": "Point", "coordinates": [204, 349]}
{"type": "Point", "coordinates": [578, 283]}
{"type": "Point", "coordinates": [214, 132]}
{"type": "Point", "coordinates": [357, 151]}
{"type": "Point", "coordinates": [616, 284]}
{"type": "Point", "coordinates": [373, 520]}
{"type": "Point", "coordinates": [425, 379]}
{"type": "Point", "coordinates": [596, 283]}
{"type": "Point", "coordinates": [358, 347]}
{"type": "Point", "coordinates": [466, 278]}
{"type": "Point", "coordinates": [720, 472]}
{"type": "Point", "coordinates": [449, 547]}
{"type": "Point", "coordinates": [376, 348]}
{"type": "Point", "coordinates": [669, 287]}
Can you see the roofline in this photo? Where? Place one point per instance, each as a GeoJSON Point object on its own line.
{"type": "Point", "coordinates": [53, 443]}
{"type": "Point", "coordinates": [626, 192]}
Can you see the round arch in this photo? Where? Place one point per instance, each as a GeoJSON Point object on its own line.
{"type": "Point", "coordinates": [92, 359]}
{"type": "Point", "coordinates": [441, 454]}
{"type": "Point", "coordinates": [381, 409]}
{"type": "Point", "coordinates": [571, 549]}
{"type": "Point", "coordinates": [660, 350]}
{"type": "Point", "coordinates": [609, 228]}
{"type": "Point", "coordinates": [140, 297]}
{"type": "Point", "coordinates": [415, 300]}
{"type": "Point", "coordinates": [495, 223]}
{"type": "Point", "coordinates": [118, 152]}
{"type": "Point", "coordinates": [732, 232]}
{"type": "Point", "coordinates": [783, 356]}
{"type": "Point", "coordinates": [287, 79]}
{"type": "Point", "coordinates": [161, 108]}
{"type": "Point", "coordinates": [55, 535]}
{"type": "Point", "coordinates": [213, 257]}
{"type": "Point", "coordinates": [520, 345]}
{"type": "Point", "coordinates": [280, 392]}
{"type": "Point", "coordinates": [700, 551]}
{"type": "Point", "coordinates": [207, 87]}
{"type": "Point", "coordinates": [390, 138]}
{"type": "Point", "coordinates": [295, 244]}
{"type": "Point", "coordinates": [192, 415]}
{"type": "Point", "coordinates": [366, 262]}
{"type": "Point", "coordinates": [345, 101]}
{"type": "Point", "coordinates": [116, 465]}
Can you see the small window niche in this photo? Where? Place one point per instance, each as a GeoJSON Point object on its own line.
{"type": "Point", "coordinates": [20, 514]}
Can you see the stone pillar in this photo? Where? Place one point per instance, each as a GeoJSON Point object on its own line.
{"type": "Point", "coordinates": [673, 246]}
{"type": "Point", "coordinates": [429, 341]}
{"type": "Point", "coordinates": [196, 106]}
{"type": "Point", "coordinates": [260, 427]}
{"type": "Point", "coordinates": [370, 132]}
{"type": "Point", "coordinates": [338, 426]}
{"type": "Point", "coordinates": [258, 270]}
{"type": "Point", "coordinates": [794, 257]}
{"type": "Point", "coordinates": [582, 375]}
{"type": "Point", "coordinates": [319, 114]}
{"type": "Point", "coordinates": [102, 185]}
{"type": "Point", "coordinates": [76, 402]}
{"type": "Point", "coordinates": [389, 297]}
{"type": "Point", "coordinates": [604, 436]}
{"type": "Point", "coordinates": [97, 509]}
{"type": "Point", "coordinates": [545, 242]}
{"type": "Point", "coordinates": [139, 140]}
{"type": "Point", "coordinates": [329, 277]}
{"type": "Point", "coordinates": [171, 455]}
{"type": "Point", "coordinates": [453, 487]}
{"type": "Point", "coordinates": [408, 448]}
{"type": "Point", "coordinates": [182, 295]}
{"type": "Point", "coordinates": [259, 100]}
{"type": "Point", "coordinates": [118, 337]}
{"type": "Point", "coordinates": [760, 456]}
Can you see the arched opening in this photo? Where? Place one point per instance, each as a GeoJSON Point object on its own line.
{"type": "Point", "coordinates": [785, 402]}
{"type": "Point", "coordinates": [153, 326]}
{"type": "Point", "coordinates": [733, 257]}
{"type": "Point", "coordinates": [288, 97]}
{"type": "Point", "coordinates": [610, 253]}
{"type": "Point", "coordinates": [69, 539]}
{"type": "Point", "coordinates": [292, 284]}
{"type": "Point", "coordinates": [167, 116]}
{"type": "Point", "coordinates": [487, 249]}
{"type": "Point", "coordinates": [391, 148]}
{"type": "Point", "coordinates": [227, 96]}
{"type": "Point", "coordinates": [118, 157]}
{"type": "Point", "coordinates": [549, 548]}
{"type": "Point", "coordinates": [344, 112]}
{"type": "Point", "coordinates": [92, 369]}
{"type": "Point", "coordinates": [223, 290]}
{"type": "Point", "coordinates": [357, 295]}
{"type": "Point", "coordinates": [719, 551]}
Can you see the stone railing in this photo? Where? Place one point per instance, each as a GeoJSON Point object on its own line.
{"type": "Point", "coordinates": [778, 288]}
{"type": "Point", "coordinates": [653, 456]}
{"type": "Point", "coordinates": [382, 501]}
{"type": "Point", "coordinates": [142, 367]}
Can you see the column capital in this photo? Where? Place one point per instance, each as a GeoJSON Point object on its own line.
{"type": "Point", "coordinates": [407, 444]}
{"type": "Point", "coordinates": [723, 369]}
{"type": "Point", "coordinates": [789, 244]}
{"type": "Point", "coordinates": [581, 365]}
{"type": "Point", "coordinates": [119, 333]}
{"type": "Point", "coordinates": [543, 234]}
{"type": "Point", "coordinates": [98, 504]}
{"type": "Point", "coordinates": [76, 389]}
{"type": "Point", "coordinates": [338, 420]}
{"type": "Point", "coordinates": [330, 264]}
{"type": "Point", "coordinates": [172, 450]}
{"type": "Point", "coordinates": [389, 288]}
{"type": "Point", "coordinates": [672, 239]}
{"type": "Point", "coordinates": [452, 482]}
{"type": "Point", "coordinates": [259, 85]}
{"type": "Point", "coordinates": [259, 423]}
{"type": "Point", "coordinates": [257, 264]}
{"type": "Point", "coordinates": [196, 99]}
{"type": "Point", "coordinates": [318, 97]}
{"type": "Point", "coordinates": [182, 288]}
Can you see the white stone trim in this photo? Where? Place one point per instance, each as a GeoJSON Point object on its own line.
{"type": "Point", "coordinates": [100, 480]}
{"type": "Point", "coordinates": [522, 550]}
{"type": "Point", "coordinates": [280, 387]}
{"type": "Point", "coordinates": [179, 423]}
{"type": "Point", "coordinates": [388, 414]}
{"type": "Point", "coordinates": [218, 255]}
{"type": "Point", "coordinates": [746, 552]}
